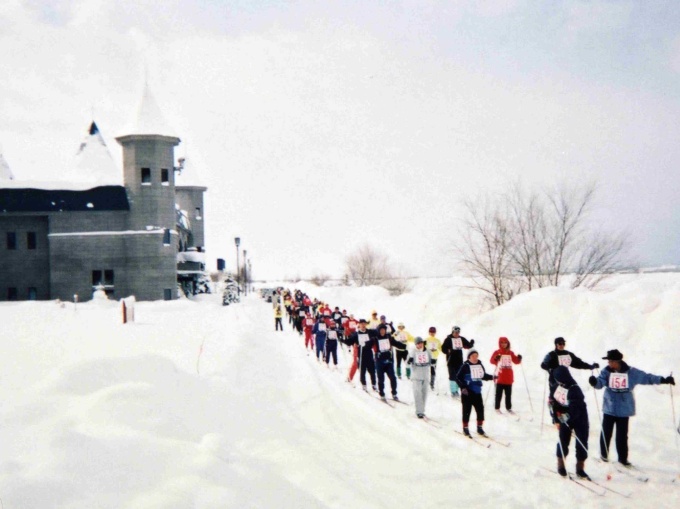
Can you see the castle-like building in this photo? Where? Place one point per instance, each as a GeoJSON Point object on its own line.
{"type": "Point", "coordinates": [142, 235]}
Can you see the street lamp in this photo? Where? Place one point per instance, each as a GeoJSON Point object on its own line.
{"type": "Point", "coordinates": [237, 241]}
{"type": "Point", "coordinates": [250, 271]}
{"type": "Point", "coordinates": [245, 271]}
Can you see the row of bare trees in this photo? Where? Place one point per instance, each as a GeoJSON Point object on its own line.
{"type": "Point", "coordinates": [521, 240]}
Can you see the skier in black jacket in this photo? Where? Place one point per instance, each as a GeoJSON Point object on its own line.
{"type": "Point", "coordinates": [452, 347]}
{"type": "Point", "coordinates": [572, 414]}
{"type": "Point", "coordinates": [561, 357]}
{"type": "Point", "coordinates": [384, 363]}
{"type": "Point", "coordinates": [366, 340]}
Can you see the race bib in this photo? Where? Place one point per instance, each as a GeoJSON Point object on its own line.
{"type": "Point", "coordinates": [422, 359]}
{"type": "Point", "coordinates": [560, 396]}
{"type": "Point", "coordinates": [309, 322]}
{"type": "Point", "coordinates": [332, 334]}
{"type": "Point", "coordinates": [506, 361]}
{"type": "Point", "coordinates": [343, 320]}
{"type": "Point", "coordinates": [301, 313]}
{"type": "Point", "coordinates": [618, 382]}
{"type": "Point", "coordinates": [363, 339]}
{"type": "Point", "coordinates": [383, 345]}
{"type": "Point", "coordinates": [564, 360]}
{"type": "Point", "coordinates": [476, 371]}
{"type": "Point", "coordinates": [327, 313]}
{"type": "Point", "coordinates": [352, 325]}
{"type": "Point", "coordinates": [337, 316]}
{"type": "Point", "coordinates": [322, 327]}
{"type": "Point", "coordinates": [457, 343]}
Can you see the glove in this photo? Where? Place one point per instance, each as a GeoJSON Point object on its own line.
{"type": "Point", "coordinates": [472, 343]}
{"type": "Point", "coordinates": [594, 365]}
{"type": "Point", "coordinates": [519, 357]}
{"type": "Point", "coordinates": [487, 377]}
{"type": "Point", "coordinates": [410, 361]}
{"type": "Point", "coordinates": [593, 381]}
{"type": "Point", "coordinates": [498, 357]}
{"type": "Point", "coordinates": [464, 391]}
{"type": "Point", "coordinates": [668, 380]}
{"type": "Point", "coordinates": [563, 418]}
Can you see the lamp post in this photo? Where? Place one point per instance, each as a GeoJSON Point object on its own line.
{"type": "Point", "coordinates": [250, 272]}
{"type": "Point", "coordinates": [245, 271]}
{"type": "Point", "coordinates": [237, 241]}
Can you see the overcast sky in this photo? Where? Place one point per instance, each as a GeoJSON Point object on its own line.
{"type": "Point", "coordinates": [319, 126]}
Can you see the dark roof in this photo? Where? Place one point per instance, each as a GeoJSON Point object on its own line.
{"type": "Point", "coordinates": [44, 200]}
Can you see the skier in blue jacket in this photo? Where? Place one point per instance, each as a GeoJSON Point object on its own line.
{"type": "Point", "coordinates": [319, 331]}
{"type": "Point", "coordinates": [469, 378]}
{"type": "Point", "coordinates": [619, 379]}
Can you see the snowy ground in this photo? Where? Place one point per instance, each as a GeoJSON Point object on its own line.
{"type": "Point", "coordinates": [202, 406]}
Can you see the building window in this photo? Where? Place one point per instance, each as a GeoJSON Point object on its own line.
{"type": "Point", "coordinates": [32, 293]}
{"type": "Point", "coordinates": [108, 278]}
{"type": "Point", "coordinates": [166, 237]}
{"type": "Point", "coordinates": [198, 212]}
{"type": "Point", "coordinates": [146, 176]}
{"type": "Point", "coordinates": [11, 294]}
{"type": "Point", "coordinates": [31, 240]}
{"type": "Point", "coordinates": [96, 277]}
{"type": "Point", "coordinates": [165, 177]}
{"type": "Point", "coordinates": [167, 294]}
{"type": "Point", "coordinates": [11, 240]}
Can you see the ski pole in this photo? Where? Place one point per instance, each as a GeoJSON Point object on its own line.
{"type": "Point", "coordinates": [528, 393]}
{"type": "Point", "coordinates": [544, 401]}
{"type": "Point", "coordinates": [600, 418]}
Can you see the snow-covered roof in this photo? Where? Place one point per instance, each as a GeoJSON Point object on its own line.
{"type": "Point", "coordinates": [93, 162]}
{"type": "Point", "coordinates": [188, 177]}
{"type": "Point", "coordinates": [149, 119]}
{"type": "Point", "coordinates": [5, 171]}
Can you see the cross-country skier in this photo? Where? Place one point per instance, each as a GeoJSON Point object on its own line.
{"type": "Point", "coordinates": [470, 378]}
{"type": "Point", "coordinates": [561, 357]}
{"type": "Point", "coordinates": [401, 354]}
{"type": "Point", "coordinates": [619, 379]}
{"type": "Point", "coordinates": [384, 363]}
{"type": "Point", "coordinates": [453, 349]}
{"type": "Point", "coordinates": [278, 317]}
{"type": "Point", "coordinates": [503, 359]}
{"type": "Point", "coordinates": [365, 340]}
{"type": "Point", "coordinates": [319, 331]}
{"type": "Point", "coordinates": [331, 344]}
{"type": "Point", "coordinates": [419, 361]}
{"type": "Point", "coordinates": [434, 345]}
{"type": "Point", "coordinates": [571, 413]}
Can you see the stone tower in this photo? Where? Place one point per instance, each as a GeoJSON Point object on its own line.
{"type": "Point", "coordinates": [149, 179]}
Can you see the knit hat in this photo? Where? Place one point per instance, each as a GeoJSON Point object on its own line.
{"type": "Point", "coordinates": [432, 329]}
{"type": "Point", "coordinates": [613, 355]}
{"type": "Point", "coordinates": [456, 328]}
{"type": "Point", "coordinates": [401, 324]}
{"type": "Point", "coordinates": [559, 340]}
{"type": "Point", "coordinates": [419, 340]}
{"type": "Point", "coordinates": [471, 352]}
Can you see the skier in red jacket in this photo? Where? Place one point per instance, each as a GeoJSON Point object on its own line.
{"type": "Point", "coordinates": [503, 359]}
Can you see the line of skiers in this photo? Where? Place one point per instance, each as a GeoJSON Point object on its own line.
{"type": "Point", "coordinates": [376, 346]}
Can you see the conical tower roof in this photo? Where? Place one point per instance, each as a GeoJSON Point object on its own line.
{"type": "Point", "coordinates": [149, 119]}
{"type": "Point", "coordinates": [93, 162]}
{"type": "Point", "coordinates": [5, 171]}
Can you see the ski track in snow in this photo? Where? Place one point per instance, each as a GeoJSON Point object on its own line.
{"type": "Point", "coordinates": [97, 414]}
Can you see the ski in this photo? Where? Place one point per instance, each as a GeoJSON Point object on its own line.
{"type": "Point", "coordinates": [508, 415]}
{"type": "Point", "coordinates": [475, 440]}
{"type": "Point", "coordinates": [432, 422]}
{"type": "Point", "coordinates": [612, 490]}
{"type": "Point", "coordinates": [631, 472]}
{"type": "Point", "coordinates": [581, 482]}
{"type": "Point", "coordinates": [499, 442]}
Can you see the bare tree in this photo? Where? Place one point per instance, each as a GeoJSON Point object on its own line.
{"type": "Point", "coordinates": [366, 266]}
{"type": "Point", "coordinates": [320, 279]}
{"type": "Point", "coordinates": [524, 240]}
{"type": "Point", "coordinates": [485, 251]}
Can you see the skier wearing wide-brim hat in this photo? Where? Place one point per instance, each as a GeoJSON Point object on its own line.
{"type": "Point", "coordinates": [618, 380]}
